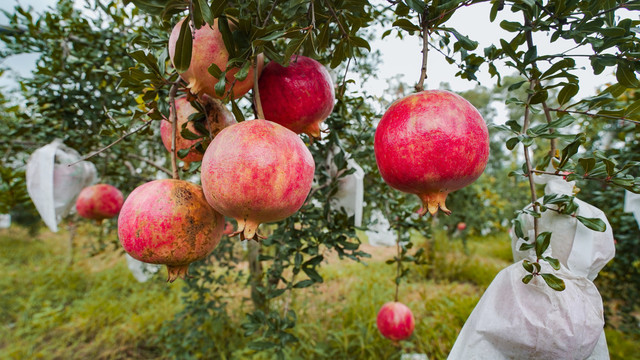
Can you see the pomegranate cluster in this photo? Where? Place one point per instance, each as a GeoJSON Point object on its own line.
{"type": "Point", "coordinates": [255, 171]}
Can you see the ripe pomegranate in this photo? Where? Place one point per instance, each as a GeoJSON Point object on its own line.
{"type": "Point", "coordinates": [461, 226]}
{"type": "Point", "coordinates": [299, 96]}
{"type": "Point", "coordinates": [169, 222]}
{"type": "Point", "coordinates": [256, 171]}
{"type": "Point", "coordinates": [99, 202]}
{"type": "Point", "coordinates": [430, 144]}
{"type": "Point", "coordinates": [395, 321]}
{"type": "Point", "coordinates": [218, 117]}
{"type": "Point", "coordinates": [208, 48]}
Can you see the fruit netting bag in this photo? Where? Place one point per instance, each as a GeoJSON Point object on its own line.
{"type": "Point", "coordinates": [350, 194]}
{"type": "Point", "coordinates": [514, 320]}
{"type": "Point", "coordinates": [5, 221]}
{"type": "Point", "coordinates": [632, 204]}
{"type": "Point", "coordinates": [53, 185]}
{"type": "Point", "coordinates": [140, 270]}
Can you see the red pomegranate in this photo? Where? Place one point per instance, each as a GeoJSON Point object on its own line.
{"type": "Point", "coordinates": [99, 202]}
{"type": "Point", "coordinates": [218, 117]}
{"type": "Point", "coordinates": [430, 144]}
{"type": "Point", "coordinates": [461, 226]}
{"type": "Point", "coordinates": [256, 171]}
{"type": "Point", "coordinates": [208, 48]}
{"type": "Point", "coordinates": [169, 222]}
{"type": "Point", "coordinates": [299, 96]}
{"type": "Point", "coordinates": [395, 321]}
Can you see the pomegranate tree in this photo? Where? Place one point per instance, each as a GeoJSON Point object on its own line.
{"type": "Point", "coordinates": [169, 222]}
{"type": "Point", "coordinates": [430, 144]}
{"type": "Point", "coordinates": [217, 118]}
{"type": "Point", "coordinates": [395, 321]}
{"type": "Point", "coordinates": [208, 48]}
{"type": "Point", "coordinates": [256, 171]}
{"type": "Point", "coordinates": [299, 96]}
{"type": "Point", "coordinates": [99, 202]}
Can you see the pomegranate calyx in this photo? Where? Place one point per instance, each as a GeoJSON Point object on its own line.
{"type": "Point", "coordinates": [180, 271]}
{"type": "Point", "coordinates": [431, 202]}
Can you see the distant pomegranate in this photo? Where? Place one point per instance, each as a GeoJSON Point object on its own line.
{"type": "Point", "coordinates": [256, 171]}
{"type": "Point", "coordinates": [461, 226]}
{"type": "Point", "coordinates": [169, 222]}
{"type": "Point", "coordinates": [208, 48]}
{"type": "Point", "coordinates": [218, 117]}
{"type": "Point", "coordinates": [99, 202]}
{"type": "Point", "coordinates": [395, 321]}
{"type": "Point", "coordinates": [430, 144]}
{"type": "Point", "coordinates": [299, 96]}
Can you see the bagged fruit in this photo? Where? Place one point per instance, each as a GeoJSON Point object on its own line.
{"type": "Point", "coordinates": [53, 185]}
{"type": "Point", "coordinates": [380, 232]}
{"type": "Point", "coordinates": [350, 194]}
{"type": "Point", "coordinates": [632, 204]}
{"type": "Point", "coordinates": [514, 320]}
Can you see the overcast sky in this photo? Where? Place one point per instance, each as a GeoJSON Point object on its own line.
{"type": "Point", "coordinates": [401, 57]}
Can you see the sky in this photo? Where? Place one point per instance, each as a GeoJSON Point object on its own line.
{"type": "Point", "coordinates": [400, 57]}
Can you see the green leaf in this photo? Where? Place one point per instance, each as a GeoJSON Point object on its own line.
{"type": "Point", "coordinates": [525, 246]}
{"type": "Point", "coordinates": [553, 262]}
{"type": "Point", "coordinates": [182, 56]}
{"type": "Point", "coordinates": [215, 71]}
{"type": "Point", "coordinates": [527, 265]}
{"type": "Point", "coordinates": [183, 152]}
{"type": "Point", "coordinates": [260, 345]}
{"type": "Point", "coordinates": [416, 5]}
{"type": "Point", "coordinates": [510, 26]}
{"type": "Point", "coordinates": [542, 243]}
{"type": "Point", "coordinates": [568, 91]}
{"type": "Point", "coordinates": [312, 274]}
{"type": "Point", "coordinates": [632, 109]}
{"type": "Point", "coordinates": [359, 42]}
{"type": "Point", "coordinates": [187, 134]}
{"type": "Point", "coordinates": [237, 113]}
{"type": "Point", "coordinates": [587, 164]}
{"type": "Point", "coordinates": [220, 86]}
{"type": "Point", "coordinates": [303, 284]}
{"type": "Point", "coordinates": [465, 42]}
{"type": "Point", "coordinates": [244, 71]}
{"type": "Point", "coordinates": [626, 76]}
{"type": "Point", "coordinates": [511, 143]}
{"type": "Point", "coordinates": [554, 282]}
{"type": "Point", "coordinates": [407, 25]}
{"type": "Point", "coordinates": [207, 14]}
{"type": "Point", "coordinates": [527, 278]}
{"type": "Point", "coordinates": [593, 223]}
{"type": "Point", "coordinates": [227, 36]}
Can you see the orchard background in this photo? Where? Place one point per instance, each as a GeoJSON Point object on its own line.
{"type": "Point", "coordinates": [311, 289]}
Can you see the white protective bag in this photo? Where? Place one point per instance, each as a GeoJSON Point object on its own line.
{"type": "Point", "coordinates": [5, 221]}
{"type": "Point", "coordinates": [380, 232]}
{"type": "Point", "coordinates": [140, 270]}
{"type": "Point", "coordinates": [632, 204]}
{"type": "Point", "coordinates": [53, 185]}
{"type": "Point", "coordinates": [350, 194]}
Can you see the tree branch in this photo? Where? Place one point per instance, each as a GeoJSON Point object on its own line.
{"type": "Point", "coordinates": [161, 168]}
{"type": "Point", "coordinates": [586, 113]}
{"type": "Point", "coordinates": [174, 130]}
{"type": "Point", "coordinates": [335, 16]}
{"type": "Point", "coordinates": [425, 53]}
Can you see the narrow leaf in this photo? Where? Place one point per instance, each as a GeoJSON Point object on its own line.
{"type": "Point", "coordinates": [182, 56]}
{"type": "Point", "coordinates": [593, 223]}
{"type": "Point", "coordinates": [554, 282]}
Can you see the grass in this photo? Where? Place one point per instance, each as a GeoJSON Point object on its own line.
{"type": "Point", "coordinates": [95, 309]}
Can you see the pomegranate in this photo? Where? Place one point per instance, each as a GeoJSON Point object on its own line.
{"type": "Point", "coordinates": [430, 144]}
{"type": "Point", "coordinates": [218, 117]}
{"type": "Point", "coordinates": [395, 321]}
{"type": "Point", "coordinates": [461, 226]}
{"type": "Point", "coordinates": [169, 222]}
{"type": "Point", "coordinates": [99, 202]}
{"type": "Point", "coordinates": [256, 171]}
{"type": "Point", "coordinates": [208, 48]}
{"type": "Point", "coordinates": [299, 96]}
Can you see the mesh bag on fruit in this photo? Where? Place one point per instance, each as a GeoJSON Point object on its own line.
{"type": "Point", "coordinates": [380, 232]}
{"type": "Point", "coordinates": [632, 204]}
{"type": "Point", "coordinates": [53, 185]}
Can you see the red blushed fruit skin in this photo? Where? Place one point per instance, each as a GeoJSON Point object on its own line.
{"type": "Point", "coordinates": [183, 111]}
{"type": "Point", "coordinates": [169, 222]}
{"type": "Point", "coordinates": [256, 171]}
{"type": "Point", "coordinates": [461, 226]}
{"type": "Point", "coordinates": [207, 48]}
{"type": "Point", "coordinates": [299, 96]}
{"type": "Point", "coordinates": [431, 143]}
{"type": "Point", "coordinates": [99, 202]}
{"type": "Point", "coordinates": [395, 321]}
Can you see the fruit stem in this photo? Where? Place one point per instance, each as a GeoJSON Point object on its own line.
{"type": "Point", "coordinates": [425, 51]}
{"type": "Point", "coordinates": [174, 130]}
{"type": "Point", "coordinates": [256, 92]}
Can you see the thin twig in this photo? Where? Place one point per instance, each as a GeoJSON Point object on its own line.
{"type": "Point", "coordinates": [313, 13]}
{"type": "Point", "coordinates": [552, 141]}
{"type": "Point", "coordinates": [112, 144]}
{"type": "Point", "coordinates": [586, 113]}
{"type": "Point", "coordinates": [398, 267]}
{"type": "Point", "coordinates": [161, 168]}
{"type": "Point", "coordinates": [335, 16]}
{"type": "Point", "coordinates": [174, 130]}
{"type": "Point", "coordinates": [266, 20]}
{"type": "Point", "coordinates": [343, 88]}
{"type": "Point", "coordinates": [532, 185]}
{"type": "Point", "coordinates": [256, 93]}
{"type": "Point", "coordinates": [425, 53]}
